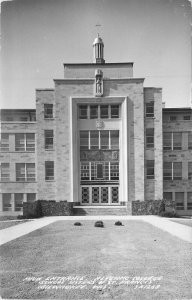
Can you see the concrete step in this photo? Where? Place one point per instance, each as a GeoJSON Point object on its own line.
{"type": "Point", "coordinates": [100, 211]}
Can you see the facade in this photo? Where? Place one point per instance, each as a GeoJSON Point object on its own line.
{"type": "Point", "coordinates": [98, 139]}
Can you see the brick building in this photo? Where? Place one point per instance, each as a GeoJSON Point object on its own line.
{"type": "Point", "coordinates": [99, 139]}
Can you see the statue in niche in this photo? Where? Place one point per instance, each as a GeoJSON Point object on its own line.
{"type": "Point", "coordinates": [98, 83]}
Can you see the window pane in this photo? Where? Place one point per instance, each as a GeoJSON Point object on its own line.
{"type": "Point", "coordinates": [6, 198]}
{"type": "Point", "coordinates": [150, 169]}
{"type": "Point", "coordinates": [83, 112]}
{"type": "Point", "coordinates": [104, 113]}
{"type": "Point", "coordinates": [5, 172]}
{"type": "Point", "coordinates": [150, 109]}
{"type": "Point", "coordinates": [173, 118]}
{"type": "Point", "coordinates": [99, 171]}
{"type": "Point", "coordinates": [49, 139]}
{"type": "Point", "coordinates": [167, 140]}
{"type": "Point", "coordinates": [19, 142]}
{"type": "Point", "coordinates": [49, 170]}
{"type": "Point", "coordinates": [179, 199]}
{"type": "Point", "coordinates": [104, 135]}
{"type": "Point", "coordinates": [93, 111]}
{"type": "Point", "coordinates": [30, 142]}
{"type": "Point", "coordinates": [177, 170]}
{"type": "Point", "coordinates": [150, 137]}
{"type": "Point", "coordinates": [189, 200]}
{"type": "Point", "coordinates": [177, 140]}
{"type": "Point", "coordinates": [18, 202]}
{"type": "Point", "coordinates": [84, 140]}
{"type": "Point", "coordinates": [48, 111]}
{"type": "Point", "coordinates": [84, 171]}
{"type": "Point", "coordinates": [30, 168]}
{"type": "Point", "coordinates": [190, 140]}
{"type": "Point", "coordinates": [114, 139]}
{"type": "Point", "coordinates": [114, 111]}
{"type": "Point", "coordinates": [20, 172]}
{"type": "Point", "coordinates": [190, 170]}
{"type": "Point", "coordinates": [4, 143]}
{"type": "Point", "coordinates": [167, 171]}
{"type": "Point", "coordinates": [114, 171]}
{"type": "Point", "coordinates": [94, 139]}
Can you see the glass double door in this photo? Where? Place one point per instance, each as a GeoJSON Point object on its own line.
{"type": "Point", "coordinates": [99, 195]}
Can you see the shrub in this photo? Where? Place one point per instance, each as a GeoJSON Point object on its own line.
{"type": "Point", "coordinates": [169, 214]}
{"type": "Point", "coordinates": [21, 217]}
{"type": "Point", "coordinates": [118, 223]}
{"type": "Point", "coordinates": [161, 207]}
{"type": "Point", "coordinates": [99, 224]}
{"type": "Point", "coordinates": [77, 224]}
{"type": "Point", "coordinates": [38, 210]}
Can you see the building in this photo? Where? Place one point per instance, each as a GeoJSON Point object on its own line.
{"type": "Point", "coordinates": [99, 139]}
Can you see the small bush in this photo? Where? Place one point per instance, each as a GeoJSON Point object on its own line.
{"type": "Point", "coordinates": [118, 223]}
{"type": "Point", "coordinates": [38, 210]}
{"type": "Point", "coordinates": [99, 224]}
{"type": "Point", "coordinates": [169, 214]}
{"type": "Point", "coordinates": [21, 217]}
{"type": "Point", "coordinates": [77, 224]}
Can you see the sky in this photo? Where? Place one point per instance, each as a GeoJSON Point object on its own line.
{"type": "Point", "coordinates": [38, 36]}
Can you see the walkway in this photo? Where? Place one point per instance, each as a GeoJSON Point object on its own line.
{"type": "Point", "coordinates": [178, 230]}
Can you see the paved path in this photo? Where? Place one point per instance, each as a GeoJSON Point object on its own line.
{"type": "Point", "coordinates": [179, 230]}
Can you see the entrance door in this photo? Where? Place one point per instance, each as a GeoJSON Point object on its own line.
{"type": "Point", "coordinates": [99, 195]}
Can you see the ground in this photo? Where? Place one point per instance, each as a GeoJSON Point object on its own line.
{"type": "Point", "coordinates": [6, 224]}
{"type": "Point", "coordinates": [61, 249]}
{"type": "Point", "coordinates": [187, 222]}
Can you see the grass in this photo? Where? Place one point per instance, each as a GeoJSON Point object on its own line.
{"type": "Point", "coordinates": [4, 225]}
{"type": "Point", "coordinates": [187, 222]}
{"type": "Point", "coordinates": [62, 249]}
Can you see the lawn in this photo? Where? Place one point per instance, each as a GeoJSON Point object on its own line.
{"type": "Point", "coordinates": [61, 249]}
{"type": "Point", "coordinates": [6, 224]}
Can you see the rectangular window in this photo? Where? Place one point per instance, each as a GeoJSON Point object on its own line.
{"type": "Point", "coordinates": [25, 142]}
{"type": "Point", "coordinates": [114, 111]}
{"type": "Point", "coordinates": [150, 138]}
{"type": "Point", "coordinates": [114, 171]}
{"type": "Point", "coordinates": [177, 171]}
{"type": "Point", "coordinates": [190, 170]}
{"type": "Point", "coordinates": [83, 112]}
{"type": "Point", "coordinates": [167, 140]}
{"type": "Point", "coordinates": [172, 170]}
{"type": "Point", "coordinates": [104, 137]}
{"type": "Point", "coordinates": [19, 202]}
{"type": "Point", "coordinates": [114, 137]}
{"type": "Point", "coordinates": [168, 196]}
{"type": "Point", "coordinates": [84, 140]}
{"type": "Point", "coordinates": [25, 172]}
{"type": "Point", "coordinates": [173, 118]}
{"type": "Point", "coordinates": [189, 200]}
{"type": "Point", "coordinates": [177, 140]}
{"type": "Point", "coordinates": [100, 171]}
{"type": "Point", "coordinates": [179, 199]}
{"type": "Point", "coordinates": [104, 111]}
{"type": "Point", "coordinates": [190, 140]}
{"type": "Point", "coordinates": [94, 139]}
{"type": "Point", "coordinates": [4, 143]}
{"type": "Point", "coordinates": [48, 111]}
{"type": "Point", "coordinates": [167, 171]}
{"type": "Point", "coordinates": [6, 199]}
{"type": "Point", "coordinates": [49, 170]}
{"type": "Point", "coordinates": [150, 169]}
{"type": "Point", "coordinates": [5, 172]}
{"type": "Point", "coordinates": [150, 109]}
{"type": "Point", "coordinates": [31, 197]}
{"type": "Point", "coordinates": [93, 111]}
{"type": "Point", "coordinates": [85, 171]}
{"type": "Point", "coordinates": [49, 139]}
{"type": "Point", "coordinates": [186, 118]}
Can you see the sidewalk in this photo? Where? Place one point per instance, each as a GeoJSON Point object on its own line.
{"type": "Point", "coordinates": [181, 231]}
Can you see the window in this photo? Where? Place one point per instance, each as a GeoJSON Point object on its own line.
{"type": "Point", "coordinates": [31, 197]}
{"type": "Point", "coordinates": [189, 140]}
{"type": "Point", "coordinates": [25, 172]}
{"type": "Point", "coordinates": [104, 111]}
{"type": "Point", "coordinates": [48, 111]}
{"type": "Point", "coordinates": [150, 109]}
{"type": "Point", "coordinates": [172, 140]}
{"type": "Point", "coordinates": [19, 202]}
{"type": "Point", "coordinates": [172, 170]}
{"type": "Point", "coordinates": [99, 170]}
{"type": "Point", "coordinates": [173, 118]}
{"type": "Point", "coordinates": [84, 140]}
{"type": "Point", "coordinates": [179, 199]}
{"type": "Point", "coordinates": [186, 117]}
{"type": "Point", "coordinates": [25, 142]}
{"type": "Point", "coordinates": [114, 170]}
{"type": "Point", "coordinates": [24, 119]}
{"type": "Point", "coordinates": [114, 137]}
{"type": "Point", "coordinates": [84, 170]}
{"type": "Point", "coordinates": [150, 169]}
{"type": "Point", "coordinates": [190, 170]}
{"type": "Point", "coordinates": [93, 111]}
{"type": "Point", "coordinates": [7, 205]}
{"type": "Point", "coordinates": [114, 111]}
{"type": "Point", "coordinates": [189, 200]}
{"type": "Point", "coordinates": [94, 139]}
{"type": "Point", "coordinates": [4, 143]}
{"type": "Point", "coordinates": [104, 137]}
{"type": "Point", "coordinates": [5, 172]}
{"type": "Point", "coordinates": [150, 138]}
{"type": "Point", "coordinates": [168, 196]}
{"type": "Point", "coordinates": [49, 170]}
{"type": "Point", "coordinates": [83, 112]}
{"type": "Point", "coordinates": [49, 139]}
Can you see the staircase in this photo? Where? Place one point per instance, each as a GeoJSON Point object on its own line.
{"type": "Point", "coordinates": [101, 210]}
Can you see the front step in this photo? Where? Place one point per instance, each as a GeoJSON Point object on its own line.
{"type": "Point", "coordinates": [100, 210]}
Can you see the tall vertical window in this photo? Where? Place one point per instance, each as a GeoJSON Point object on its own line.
{"type": "Point", "coordinates": [6, 199]}
{"type": "Point", "coordinates": [83, 112]}
{"type": "Point", "coordinates": [25, 172]}
{"type": "Point", "coordinates": [190, 170]}
{"type": "Point", "coordinates": [172, 170]}
{"type": "Point", "coordinates": [150, 172]}
{"type": "Point", "coordinates": [104, 137]}
{"type": "Point", "coordinates": [104, 111]}
{"type": "Point", "coordinates": [150, 137]}
{"type": "Point", "coordinates": [19, 201]}
{"type": "Point", "coordinates": [93, 111]}
{"type": "Point", "coordinates": [25, 142]}
{"type": "Point", "coordinates": [84, 140]}
{"type": "Point", "coordinates": [5, 172]}
{"type": "Point", "coordinates": [167, 170]}
{"type": "Point", "coordinates": [177, 170]}
{"type": "Point", "coordinates": [114, 138]}
{"type": "Point", "coordinates": [189, 200]}
{"type": "Point", "coordinates": [4, 143]}
{"type": "Point", "coordinates": [167, 140]}
{"type": "Point", "coordinates": [48, 111]}
{"type": "Point", "coordinates": [49, 139]}
{"type": "Point", "coordinates": [94, 139]}
{"type": "Point", "coordinates": [49, 170]}
{"type": "Point", "coordinates": [190, 140]}
{"type": "Point", "coordinates": [177, 140]}
{"type": "Point", "coordinates": [114, 170]}
{"type": "Point", "coordinates": [179, 199]}
{"type": "Point", "coordinates": [114, 111]}
{"type": "Point", "coordinates": [149, 109]}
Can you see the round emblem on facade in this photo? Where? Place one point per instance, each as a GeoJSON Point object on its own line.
{"type": "Point", "coordinates": [100, 124]}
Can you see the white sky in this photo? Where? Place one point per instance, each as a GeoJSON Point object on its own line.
{"type": "Point", "coordinates": [38, 36]}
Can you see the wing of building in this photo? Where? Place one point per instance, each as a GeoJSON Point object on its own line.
{"type": "Point", "coordinates": [99, 141]}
